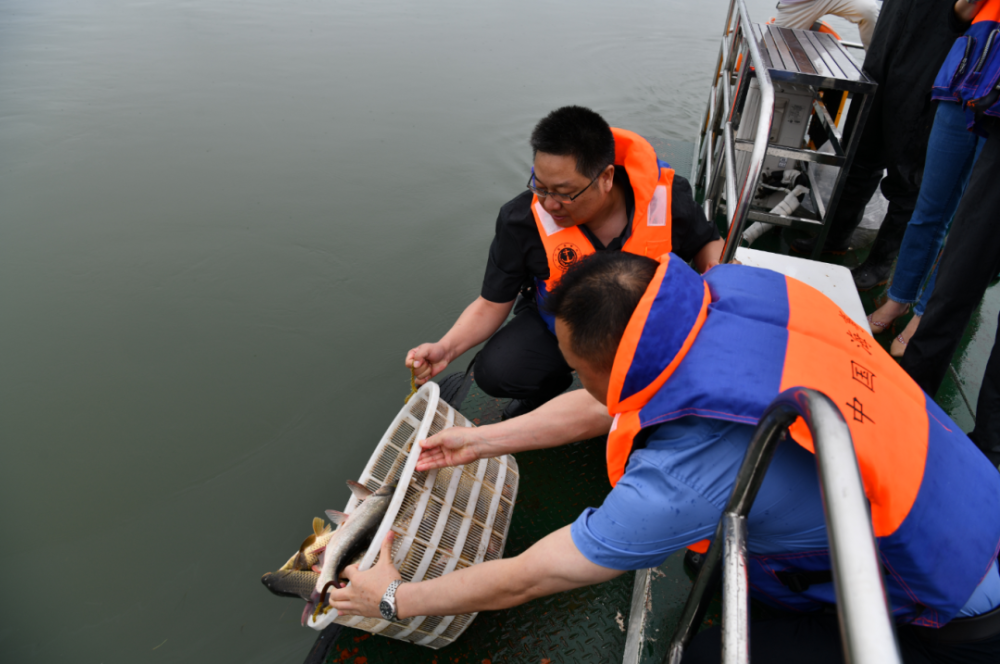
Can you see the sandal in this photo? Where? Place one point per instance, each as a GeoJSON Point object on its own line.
{"type": "Point", "coordinates": [898, 347]}
{"type": "Point", "coordinates": [878, 327]}
{"type": "Point", "coordinates": [898, 340]}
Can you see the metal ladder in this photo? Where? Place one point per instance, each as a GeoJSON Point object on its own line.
{"type": "Point", "coordinates": [752, 59]}
{"type": "Point", "coordinates": [866, 628]}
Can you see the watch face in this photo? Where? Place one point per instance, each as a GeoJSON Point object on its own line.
{"type": "Point", "coordinates": [385, 608]}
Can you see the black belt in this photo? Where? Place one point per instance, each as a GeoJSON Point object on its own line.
{"type": "Point", "coordinates": [961, 630]}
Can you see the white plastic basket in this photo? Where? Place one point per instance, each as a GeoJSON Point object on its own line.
{"type": "Point", "coordinates": [444, 519]}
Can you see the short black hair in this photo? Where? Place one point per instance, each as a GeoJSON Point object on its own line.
{"type": "Point", "coordinates": [578, 132]}
{"type": "Point", "coordinates": [596, 299]}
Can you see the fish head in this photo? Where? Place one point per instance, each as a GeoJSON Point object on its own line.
{"type": "Point", "coordinates": [291, 583]}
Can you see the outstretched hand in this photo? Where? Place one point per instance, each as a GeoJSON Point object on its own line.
{"type": "Point", "coordinates": [456, 446]}
{"type": "Point", "coordinates": [363, 595]}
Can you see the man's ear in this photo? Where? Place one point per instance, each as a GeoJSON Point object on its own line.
{"type": "Point", "coordinates": [607, 178]}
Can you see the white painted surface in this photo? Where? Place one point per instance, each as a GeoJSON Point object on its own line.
{"type": "Point", "coordinates": [834, 281]}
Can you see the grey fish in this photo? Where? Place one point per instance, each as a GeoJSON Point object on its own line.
{"type": "Point", "coordinates": [350, 540]}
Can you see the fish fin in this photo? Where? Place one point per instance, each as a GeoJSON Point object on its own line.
{"type": "Point", "coordinates": [306, 612]}
{"type": "Point", "coordinates": [317, 569]}
{"type": "Point", "coordinates": [297, 562]}
{"type": "Point", "coordinates": [336, 517]}
{"type": "Point", "coordinates": [360, 491]}
{"type": "Point", "coordinates": [306, 543]}
{"type": "Point", "coordinates": [318, 525]}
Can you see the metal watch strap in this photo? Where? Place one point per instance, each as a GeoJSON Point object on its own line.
{"type": "Point", "coordinates": [390, 597]}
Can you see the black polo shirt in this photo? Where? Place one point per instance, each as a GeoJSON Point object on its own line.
{"type": "Point", "coordinates": [517, 254]}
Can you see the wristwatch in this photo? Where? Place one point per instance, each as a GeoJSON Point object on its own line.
{"type": "Point", "coordinates": [387, 607]}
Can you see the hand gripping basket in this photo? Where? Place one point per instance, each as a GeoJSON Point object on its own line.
{"type": "Point", "coordinates": [444, 519]}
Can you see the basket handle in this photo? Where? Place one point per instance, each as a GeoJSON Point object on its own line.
{"type": "Point", "coordinates": [431, 392]}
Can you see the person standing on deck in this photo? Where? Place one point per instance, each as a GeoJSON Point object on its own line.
{"type": "Point", "coordinates": [971, 257]}
{"type": "Point", "coordinates": [802, 14]}
{"type": "Point", "coordinates": [951, 154]}
{"type": "Point", "coordinates": [909, 45]}
{"type": "Point", "coordinates": [687, 365]}
{"type": "Point", "coordinates": [592, 188]}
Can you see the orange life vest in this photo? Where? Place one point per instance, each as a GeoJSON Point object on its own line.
{"type": "Point", "coordinates": [823, 349]}
{"type": "Point", "coordinates": [652, 182]}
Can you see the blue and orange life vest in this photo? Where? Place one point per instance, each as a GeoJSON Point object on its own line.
{"type": "Point", "coordinates": [725, 345]}
{"type": "Point", "coordinates": [972, 69]}
{"type": "Point", "coordinates": [652, 182]}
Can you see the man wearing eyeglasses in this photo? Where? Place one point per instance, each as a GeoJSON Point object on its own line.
{"type": "Point", "coordinates": [592, 188]}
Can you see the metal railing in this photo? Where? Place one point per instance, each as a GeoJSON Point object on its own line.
{"type": "Point", "coordinates": [866, 628]}
{"type": "Point", "coordinates": [733, 99]}
{"type": "Point", "coordinates": [733, 52]}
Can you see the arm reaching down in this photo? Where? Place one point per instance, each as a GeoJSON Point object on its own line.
{"type": "Point", "coordinates": [552, 565]}
{"type": "Point", "coordinates": [476, 324]}
{"type": "Point", "coordinates": [566, 419]}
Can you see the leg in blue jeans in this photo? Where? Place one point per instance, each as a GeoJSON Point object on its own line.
{"type": "Point", "coordinates": [951, 152]}
{"type": "Point", "coordinates": [925, 294]}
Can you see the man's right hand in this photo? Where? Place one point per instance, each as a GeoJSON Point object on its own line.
{"type": "Point", "coordinates": [427, 361]}
{"type": "Point", "coordinates": [479, 320]}
{"type": "Point", "coordinates": [456, 446]}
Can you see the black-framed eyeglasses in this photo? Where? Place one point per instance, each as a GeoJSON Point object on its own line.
{"type": "Point", "coordinates": [562, 198]}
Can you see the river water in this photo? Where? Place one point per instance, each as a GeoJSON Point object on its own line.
{"type": "Point", "coordinates": [222, 225]}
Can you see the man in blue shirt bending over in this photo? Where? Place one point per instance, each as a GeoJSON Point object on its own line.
{"type": "Point", "coordinates": [677, 369]}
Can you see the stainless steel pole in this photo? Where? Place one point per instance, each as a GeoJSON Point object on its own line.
{"type": "Point", "coordinates": [760, 140]}
{"type": "Point", "coordinates": [866, 629]}
{"type": "Point", "coordinates": [735, 591]}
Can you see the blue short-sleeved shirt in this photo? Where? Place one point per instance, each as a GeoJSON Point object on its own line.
{"type": "Point", "coordinates": [674, 490]}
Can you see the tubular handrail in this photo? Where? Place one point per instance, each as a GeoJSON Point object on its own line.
{"type": "Point", "coordinates": [737, 220]}
{"type": "Point", "coordinates": [749, 55]}
{"type": "Point", "coordinates": [866, 628]}
{"type": "Point", "coordinates": [730, 173]}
